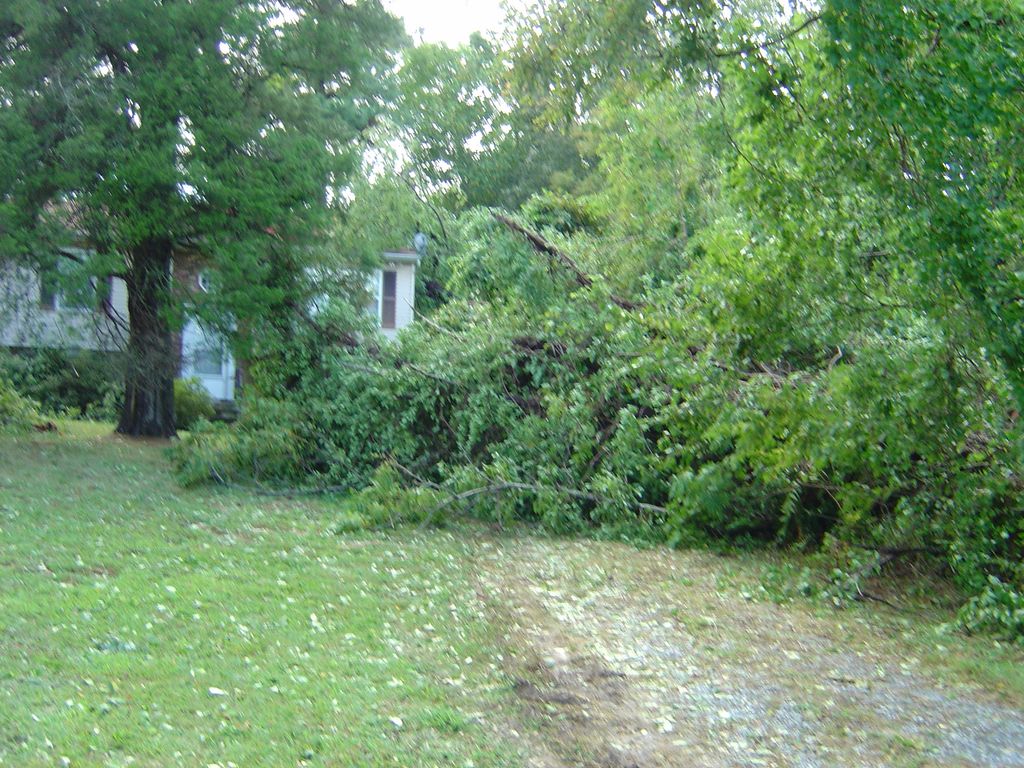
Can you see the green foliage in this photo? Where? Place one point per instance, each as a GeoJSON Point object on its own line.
{"type": "Point", "coordinates": [109, 407]}
{"type": "Point", "coordinates": [562, 213]}
{"type": "Point", "coordinates": [466, 142]}
{"type": "Point", "coordinates": [17, 413]}
{"type": "Point", "coordinates": [445, 100]}
{"type": "Point", "coordinates": [655, 182]}
{"type": "Point", "coordinates": [492, 265]}
{"type": "Point", "coordinates": [387, 502]}
{"type": "Point", "coordinates": [997, 610]}
{"type": "Point", "coordinates": [192, 403]}
{"type": "Point", "coordinates": [569, 54]}
{"type": "Point", "coordinates": [808, 355]}
{"type": "Point", "coordinates": [943, 114]}
{"type": "Point", "coordinates": [383, 216]}
{"type": "Point", "coordinates": [262, 447]}
{"type": "Point", "coordinates": [888, 442]}
{"type": "Point", "coordinates": [787, 582]}
{"type": "Point", "coordinates": [80, 384]}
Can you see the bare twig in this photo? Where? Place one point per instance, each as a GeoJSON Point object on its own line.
{"type": "Point", "coordinates": [413, 476]}
{"type": "Point", "coordinates": [426, 201]}
{"type": "Point", "coordinates": [877, 599]}
{"type": "Point", "coordinates": [835, 358]}
{"type": "Point", "coordinates": [885, 556]}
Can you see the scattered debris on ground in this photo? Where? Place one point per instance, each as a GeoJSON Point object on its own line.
{"type": "Point", "coordinates": [630, 658]}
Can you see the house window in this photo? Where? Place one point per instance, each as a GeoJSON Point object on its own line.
{"type": "Point", "coordinates": [48, 291]}
{"type": "Point", "coordinates": [58, 294]}
{"type": "Point", "coordinates": [80, 296]}
{"type": "Point", "coordinates": [208, 362]}
{"type": "Point", "coordinates": [388, 298]}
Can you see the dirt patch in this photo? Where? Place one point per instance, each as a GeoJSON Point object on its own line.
{"type": "Point", "coordinates": [626, 658]}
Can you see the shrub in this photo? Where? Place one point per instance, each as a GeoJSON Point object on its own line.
{"type": "Point", "coordinates": [677, 421]}
{"type": "Point", "coordinates": [75, 383]}
{"type": "Point", "coordinates": [17, 414]}
{"type": "Point", "coordinates": [263, 446]}
{"type": "Point", "coordinates": [109, 408]}
{"type": "Point", "coordinates": [387, 502]}
{"type": "Point", "coordinates": [191, 403]}
{"type": "Point", "coordinates": [997, 610]}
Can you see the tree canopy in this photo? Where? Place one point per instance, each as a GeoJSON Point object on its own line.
{"type": "Point", "coordinates": [145, 129]}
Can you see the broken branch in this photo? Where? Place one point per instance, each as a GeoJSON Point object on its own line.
{"type": "Point", "coordinates": [504, 487]}
{"type": "Point", "coordinates": [541, 245]}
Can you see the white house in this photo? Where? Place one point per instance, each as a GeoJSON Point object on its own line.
{"type": "Point", "coordinates": [34, 313]}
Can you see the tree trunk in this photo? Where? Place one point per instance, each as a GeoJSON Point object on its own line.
{"type": "Point", "coordinates": [149, 379]}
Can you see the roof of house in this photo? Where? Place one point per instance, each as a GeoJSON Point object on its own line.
{"type": "Point", "coordinates": [402, 256]}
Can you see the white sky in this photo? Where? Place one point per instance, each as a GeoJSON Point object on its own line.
{"type": "Point", "coordinates": [447, 21]}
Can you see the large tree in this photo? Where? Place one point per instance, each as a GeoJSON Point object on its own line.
{"type": "Point", "coordinates": [465, 140]}
{"type": "Point", "coordinates": [147, 128]}
{"type": "Point", "coordinates": [876, 135]}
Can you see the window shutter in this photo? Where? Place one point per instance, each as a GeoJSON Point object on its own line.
{"type": "Point", "coordinates": [388, 298]}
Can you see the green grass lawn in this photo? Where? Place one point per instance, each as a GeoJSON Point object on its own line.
{"type": "Point", "coordinates": [147, 625]}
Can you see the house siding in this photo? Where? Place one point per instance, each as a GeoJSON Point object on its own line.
{"type": "Point", "coordinates": [25, 323]}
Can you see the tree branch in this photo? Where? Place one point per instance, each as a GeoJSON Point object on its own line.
{"type": "Point", "coordinates": [504, 487]}
{"type": "Point", "coordinates": [541, 245]}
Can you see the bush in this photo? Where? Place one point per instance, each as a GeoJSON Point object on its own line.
{"type": "Point", "coordinates": [191, 403]}
{"type": "Point", "coordinates": [263, 446]}
{"type": "Point", "coordinates": [109, 408]}
{"type": "Point", "coordinates": [890, 447]}
{"type": "Point", "coordinates": [998, 610]}
{"type": "Point", "coordinates": [75, 383]}
{"type": "Point", "coordinates": [17, 414]}
{"type": "Point", "coordinates": [387, 503]}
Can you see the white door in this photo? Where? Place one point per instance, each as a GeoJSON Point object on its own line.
{"type": "Point", "coordinates": [204, 356]}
